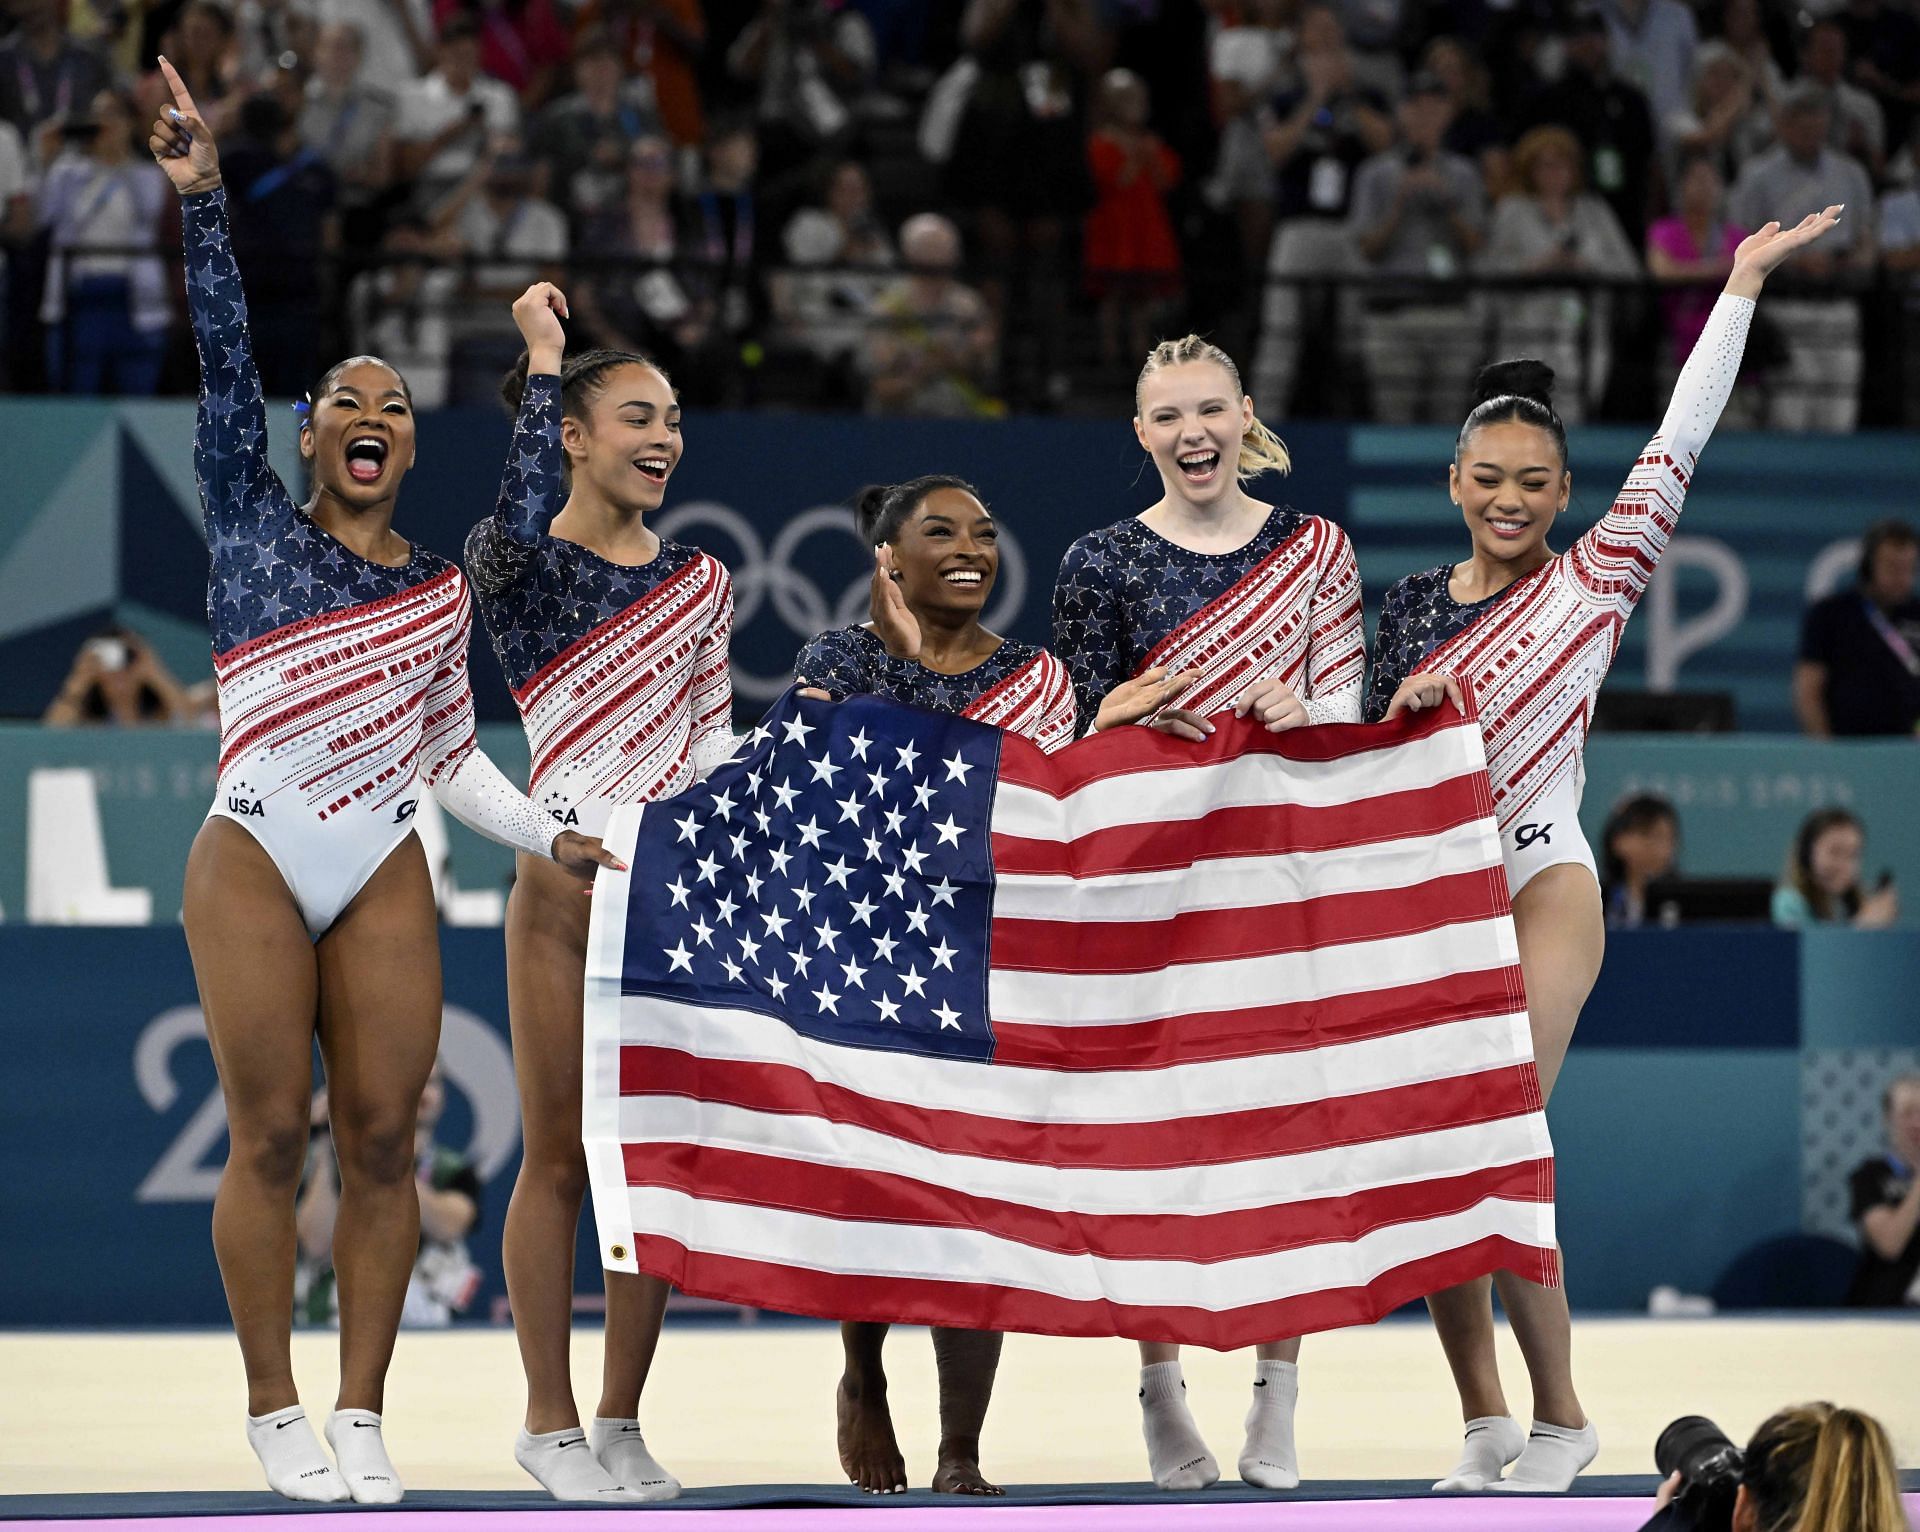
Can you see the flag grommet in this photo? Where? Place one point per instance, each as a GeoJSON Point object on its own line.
{"type": "Point", "coordinates": [618, 1252]}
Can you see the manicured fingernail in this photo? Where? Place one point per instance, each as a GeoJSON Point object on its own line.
{"type": "Point", "coordinates": [175, 115]}
{"type": "Point", "coordinates": [622, 867]}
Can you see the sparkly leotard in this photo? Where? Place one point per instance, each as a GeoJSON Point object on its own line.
{"type": "Point", "coordinates": [1535, 654]}
{"type": "Point", "coordinates": [620, 670]}
{"type": "Point", "coordinates": [343, 683]}
{"type": "Point", "coordinates": [1018, 688]}
{"type": "Point", "coordinates": [1285, 605]}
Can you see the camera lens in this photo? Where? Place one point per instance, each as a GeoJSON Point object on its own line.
{"type": "Point", "coordinates": [1698, 1448]}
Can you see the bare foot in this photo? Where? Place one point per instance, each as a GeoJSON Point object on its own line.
{"type": "Point", "coordinates": [962, 1476]}
{"type": "Point", "coordinates": [868, 1452]}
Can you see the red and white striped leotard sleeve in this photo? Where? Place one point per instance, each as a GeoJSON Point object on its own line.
{"type": "Point", "coordinates": [1613, 561]}
{"type": "Point", "coordinates": [1535, 660]}
{"type": "Point", "coordinates": [1336, 667]}
{"type": "Point", "coordinates": [462, 776]}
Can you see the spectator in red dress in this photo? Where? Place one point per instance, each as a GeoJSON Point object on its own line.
{"type": "Point", "coordinates": [1132, 259]}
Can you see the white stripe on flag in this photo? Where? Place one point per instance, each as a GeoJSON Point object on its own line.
{"type": "Point", "coordinates": [600, 1113]}
{"type": "Point", "coordinates": [1339, 1171]}
{"type": "Point", "coordinates": [1188, 792]}
{"type": "Point", "coordinates": [809, 1241]}
{"type": "Point", "coordinates": [1180, 989]}
{"type": "Point", "coordinates": [1021, 1094]}
{"type": "Point", "coordinates": [1247, 882]}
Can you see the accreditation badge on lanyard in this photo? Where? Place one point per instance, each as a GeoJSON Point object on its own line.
{"type": "Point", "coordinates": [1892, 637]}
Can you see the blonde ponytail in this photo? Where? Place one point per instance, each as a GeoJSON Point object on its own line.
{"type": "Point", "coordinates": [1852, 1485]}
{"type": "Point", "coordinates": [1260, 449]}
{"type": "Point", "coordinates": [1819, 1468]}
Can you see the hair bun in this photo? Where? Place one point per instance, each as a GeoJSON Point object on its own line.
{"type": "Point", "coordinates": [1522, 378]}
{"type": "Point", "coordinates": [869, 508]}
{"type": "Point", "coordinates": [513, 387]}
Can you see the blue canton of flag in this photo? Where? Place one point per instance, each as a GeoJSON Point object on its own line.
{"type": "Point", "coordinates": [836, 873]}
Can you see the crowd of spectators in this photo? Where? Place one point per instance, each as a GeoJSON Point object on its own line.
{"type": "Point", "coordinates": [949, 206]}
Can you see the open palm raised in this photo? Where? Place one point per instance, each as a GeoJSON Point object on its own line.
{"type": "Point", "coordinates": [1764, 249]}
{"type": "Point", "coordinates": [182, 142]}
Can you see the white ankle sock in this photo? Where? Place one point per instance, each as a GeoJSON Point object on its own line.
{"type": "Point", "coordinates": [1268, 1459]}
{"type": "Point", "coordinates": [622, 1451]}
{"type": "Point", "coordinates": [354, 1436]}
{"type": "Point", "coordinates": [566, 1467]}
{"type": "Point", "coordinates": [1492, 1442]}
{"type": "Point", "coordinates": [289, 1451]}
{"type": "Point", "coordinates": [1552, 1460]}
{"type": "Point", "coordinates": [1176, 1454]}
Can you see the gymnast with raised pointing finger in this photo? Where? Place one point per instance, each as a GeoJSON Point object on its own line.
{"type": "Point", "coordinates": [340, 651]}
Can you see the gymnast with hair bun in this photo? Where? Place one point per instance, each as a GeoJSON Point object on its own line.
{"type": "Point", "coordinates": [614, 642]}
{"type": "Point", "coordinates": [935, 559]}
{"type": "Point", "coordinates": [1529, 635]}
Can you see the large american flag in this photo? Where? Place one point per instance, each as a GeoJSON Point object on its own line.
{"type": "Point", "coordinates": [897, 1018]}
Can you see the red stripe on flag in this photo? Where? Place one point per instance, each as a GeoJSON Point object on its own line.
{"type": "Point", "coordinates": [710, 1174]}
{"type": "Point", "coordinates": [1199, 1036]}
{"type": "Point", "coordinates": [1259, 830]}
{"type": "Point", "coordinates": [1132, 751]}
{"type": "Point", "coordinates": [907, 1300]}
{"type": "Point", "coordinates": [1213, 936]}
{"type": "Point", "coordinates": [1218, 1138]}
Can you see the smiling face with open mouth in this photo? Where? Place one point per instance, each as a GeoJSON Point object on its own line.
{"type": "Point", "coordinates": [947, 553]}
{"type": "Point", "coordinates": [629, 444]}
{"type": "Point", "coordinates": [1192, 420]}
{"type": "Point", "coordinates": [359, 434]}
{"type": "Point", "coordinates": [1510, 484]}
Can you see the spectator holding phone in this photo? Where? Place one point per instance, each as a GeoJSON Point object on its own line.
{"type": "Point", "coordinates": [1821, 884]}
{"type": "Point", "coordinates": [117, 679]}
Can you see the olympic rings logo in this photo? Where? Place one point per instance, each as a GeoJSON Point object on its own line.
{"type": "Point", "coordinates": [766, 575]}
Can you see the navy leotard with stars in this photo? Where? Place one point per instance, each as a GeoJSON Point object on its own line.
{"type": "Point", "coordinates": [847, 661]}
{"type": "Point", "coordinates": [1124, 588]}
{"type": "Point", "coordinates": [271, 565]}
{"type": "Point", "coordinates": [619, 671]}
{"type": "Point", "coordinates": [1417, 615]}
{"type": "Point", "coordinates": [540, 595]}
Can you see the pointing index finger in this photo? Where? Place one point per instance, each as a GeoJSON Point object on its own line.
{"type": "Point", "coordinates": [182, 97]}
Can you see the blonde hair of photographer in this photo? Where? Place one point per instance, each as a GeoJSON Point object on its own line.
{"type": "Point", "coordinates": [1260, 449]}
{"type": "Point", "coordinates": [1819, 1468]}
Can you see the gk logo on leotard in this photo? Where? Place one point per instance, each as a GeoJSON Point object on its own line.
{"type": "Point", "coordinates": [1526, 835]}
{"type": "Point", "coordinates": [404, 811]}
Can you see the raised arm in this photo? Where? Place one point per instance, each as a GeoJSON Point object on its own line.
{"type": "Point", "coordinates": [533, 483]}
{"type": "Point", "coordinates": [1613, 562]}
{"type": "Point", "coordinates": [240, 495]}
{"type": "Point", "coordinates": [1337, 641]}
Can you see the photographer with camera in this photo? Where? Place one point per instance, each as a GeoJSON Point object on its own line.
{"type": "Point", "coordinates": [1809, 1468]}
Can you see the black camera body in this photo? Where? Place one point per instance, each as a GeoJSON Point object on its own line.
{"type": "Point", "coordinates": [1709, 1466]}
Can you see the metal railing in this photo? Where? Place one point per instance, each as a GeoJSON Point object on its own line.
{"type": "Point", "coordinates": [1341, 345]}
